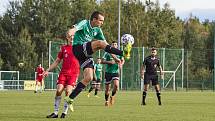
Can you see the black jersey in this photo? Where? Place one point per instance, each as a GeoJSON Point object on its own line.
{"type": "Point", "coordinates": [151, 64]}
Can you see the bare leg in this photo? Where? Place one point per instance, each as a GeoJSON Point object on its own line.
{"type": "Point", "coordinates": [107, 89]}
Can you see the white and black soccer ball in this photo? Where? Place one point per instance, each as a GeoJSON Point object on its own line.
{"type": "Point", "coordinates": [126, 38]}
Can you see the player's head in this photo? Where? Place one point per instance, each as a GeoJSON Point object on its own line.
{"type": "Point", "coordinates": [39, 65]}
{"type": "Point", "coordinates": [114, 44]}
{"type": "Point", "coordinates": [69, 38]}
{"type": "Point", "coordinates": [99, 60]}
{"type": "Point", "coordinates": [96, 19]}
{"type": "Point", "coordinates": [153, 51]}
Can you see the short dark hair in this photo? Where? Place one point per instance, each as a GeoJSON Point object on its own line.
{"type": "Point", "coordinates": [153, 48]}
{"type": "Point", "coordinates": [95, 14]}
{"type": "Point", "coordinates": [114, 42]}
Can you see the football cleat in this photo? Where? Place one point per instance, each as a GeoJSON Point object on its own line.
{"type": "Point", "coordinates": [106, 103]}
{"type": "Point", "coordinates": [63, 115]}
{"type": "Point", "coordinates": [112, 100]}
{"type": "Point", "coordinates": [88, 95]}
{"type": "Point", "coordinates": [53, 115]}
{"type": "Point", "coordinates": [96, 96]}
{"type": "Point", "coordinates": [69, 102]}
{"type": "Point", "coordinates": [127, 51]}
{"type": "Point", "coordinates": [143, 103]}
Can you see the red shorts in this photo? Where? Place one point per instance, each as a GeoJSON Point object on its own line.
{"type": "Point", "coordinates": [67, 79]}
{"type": "Point", "coordinates": [39, 79]}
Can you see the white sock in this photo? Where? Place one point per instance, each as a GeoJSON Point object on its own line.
{"type": "Point", "coordinates": [41, 88]}
{"type": "Point", "coordinates": [57, 104]}
{"type": "Point", "coordinates": [65, 110]}
{"type": "Point", "coordinates": [36, 88]}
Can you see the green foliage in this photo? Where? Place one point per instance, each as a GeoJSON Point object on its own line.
{"type": "Point", "coordinates": [1, 61]}
{"type": "Point", "coordinates": [28, 26]}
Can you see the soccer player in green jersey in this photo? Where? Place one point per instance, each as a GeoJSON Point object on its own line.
{"type": "Point", "coordinates": [97, 78]}
{"type": "Point", "coordinates": [89, 38]}
{"type": "Point", "coordinates": [113, 64]}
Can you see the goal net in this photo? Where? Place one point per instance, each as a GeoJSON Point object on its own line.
{"type": "Point", "coordinates": [9, 80]}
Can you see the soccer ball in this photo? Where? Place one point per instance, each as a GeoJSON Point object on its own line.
{"type": "Point", "coordinates": [126, 38]}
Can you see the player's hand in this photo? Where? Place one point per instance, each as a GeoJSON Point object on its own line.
{"type": "Point", "coordinates": [142, 76]}
{"type": "Point", "coordinates": [112, 62]}
{"type": "Point", "coordinates": [120, 64]}
{"type": "Point", "coordinates": [162, 76]}
{"type": "Point", "coordinates": [45, 73]}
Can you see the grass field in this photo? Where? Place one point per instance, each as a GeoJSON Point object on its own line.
{"type": "Point", "coordinates": [177, 106]}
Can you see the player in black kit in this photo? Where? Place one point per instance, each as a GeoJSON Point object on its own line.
{"type": "Point", "coordinates": [150, 65]}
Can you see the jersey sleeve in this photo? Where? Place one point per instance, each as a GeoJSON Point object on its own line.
{"type": "Point", "coordinates": [158, 64]}
{"type": "Point", "coordinates": [105, 56]}
{"type": "Point", "coordinates": [60, 53]}
{"type": "Point", "coordinates": [95, 66]}
{"type": "Point", "coordinates": [100, 35]}
{"type": "Point", "coordinates": [80, 25]}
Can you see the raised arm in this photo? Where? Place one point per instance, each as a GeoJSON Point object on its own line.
{"type": "Point", "coordinates": [51, 67]}
{"type": "Point", "coordinates": [107, 62]}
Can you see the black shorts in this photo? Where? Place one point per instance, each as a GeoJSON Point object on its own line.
{"type": "Point", "coordinates": [84, 55]}
{"type": "Point", "coordinates": [149, 77]}
{"type": "Point", "coordinates": [111, 76]}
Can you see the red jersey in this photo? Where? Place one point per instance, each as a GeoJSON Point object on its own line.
{"type": "Point", "coordinates": [40, 71]}
{"type": "Point", "coordinates": [70, 64]}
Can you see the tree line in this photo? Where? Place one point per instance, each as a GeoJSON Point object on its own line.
{"type": "Point", "coordinates": [27, 27]}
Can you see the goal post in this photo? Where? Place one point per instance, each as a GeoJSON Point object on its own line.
{"type": "Point", "coordinates": [10, 80]}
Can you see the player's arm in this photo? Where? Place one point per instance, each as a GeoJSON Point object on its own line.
{"type": "Point", "coordinates": [104, 60]}
{"type": "Point", "coordinates": [43, 70]}
{"type": "Point", "coordinates": [107, 62]}
{"type": "Point", "coordinates": [161, 72]}
{"type": "Point", "coordinates": [94, 73]}
{"type": "Point", "coordinates": [52, 66]}
{"type": "Point", "coordinates": [101, 75]}
{"type": "Point", "coordinates": [142, 71]}
{"type": "Point", "coordinates": [160, 68]}
{"type": "Point", "coordinates": [117, 60]}
{"type": "Point", "coordinates": [76, 27]}
{"type": "Point", "coordinates": [122, 61]}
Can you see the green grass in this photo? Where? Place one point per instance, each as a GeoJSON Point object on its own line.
{"type": "Point", "coordinates": [177, 106]}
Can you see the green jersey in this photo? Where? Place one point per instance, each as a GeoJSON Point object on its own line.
{"type": "Point", "coordinates": [98, 70]}
{"type": "Point", "coordinates": [111, 68]}
{"type": "Point", "coordinates": [86, 33]}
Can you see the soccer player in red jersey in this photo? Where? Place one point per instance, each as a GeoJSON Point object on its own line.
{"type": "Point", "coordinates": [39, 78]}
{"type": "Point", "coordinates": [67, 78]}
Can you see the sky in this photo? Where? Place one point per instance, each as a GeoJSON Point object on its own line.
{"type": "Point", "coordinates": [203, 9]}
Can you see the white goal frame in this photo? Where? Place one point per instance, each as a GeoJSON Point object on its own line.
{"type": "Point", "coordinates": [2, 81]}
